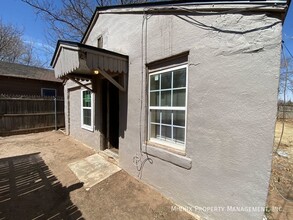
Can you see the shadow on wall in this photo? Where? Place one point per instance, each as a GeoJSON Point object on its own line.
{"type": "Point", "coordinates": [29, 190]}
{"type": "Point", "coordinates": [113, 111]}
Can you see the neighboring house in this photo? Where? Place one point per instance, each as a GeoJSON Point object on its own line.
{"type": "Point", "coordinates": [187, 92]}
{"type": "Point", "coordinates": [18, 79]}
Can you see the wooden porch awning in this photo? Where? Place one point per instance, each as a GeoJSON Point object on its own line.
{"type": "Point", "coordinates": [76, 58]}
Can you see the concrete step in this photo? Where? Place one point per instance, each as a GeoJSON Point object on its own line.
{"type": "Point", "coordinates": [110, 156]}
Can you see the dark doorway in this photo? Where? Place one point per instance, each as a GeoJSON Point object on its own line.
{"type": "Point", "coordinates": [114, 116]}
{"type": "Point", "coordinates": [110, 114]}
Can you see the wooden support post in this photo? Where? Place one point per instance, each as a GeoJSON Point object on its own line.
{"type": "Point", "coordinates": [108, 77]}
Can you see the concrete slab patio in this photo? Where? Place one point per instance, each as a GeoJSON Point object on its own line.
{"type": "Point", "coordinates": [93, 169]}
{"type": "Point", "coordinates": [37, 183]}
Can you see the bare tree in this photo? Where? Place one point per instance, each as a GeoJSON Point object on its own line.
{"type": "Point", "coordinates": [11, 45]}
{"type": "Point", "coordinates": [286, 75]}
{"type": "Point", "coordinates": [29, 56]}
{"type": "Point", "coordinates": [13, 49]}
{"type": "Point", "coordinates": [68, 19]}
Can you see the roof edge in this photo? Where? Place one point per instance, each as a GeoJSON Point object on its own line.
{"type": "Point", "coordinates": [176, 3]}
{"type": "Point", "coordinates": [30, 78]}
{"type": "Point", "coordinates": [192, 2]}
{"type": "Point", "coordinates": [78, 46]}
{"type": "Point", "coordinates": [18, 70]}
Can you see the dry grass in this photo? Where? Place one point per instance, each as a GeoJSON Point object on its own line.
{"type": "Point", "coordinates": [280, 198]}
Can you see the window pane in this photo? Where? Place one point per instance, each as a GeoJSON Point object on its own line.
{"type": "Point", "coordinates": [179, 118]}
{"type": "Point", "coordinates": [179, 78]}
{"type": "Point", "coordinates": [155, 82]}
{"type": "Point", "coordinates": [166, 133]}
{"type": "Point", "coordinates": [172, 93]}
{"type": "Point", "coordinates": [166, 79]}
{"type": "Point", "coordinates": [86, 98]}
{"type": "Point", "coordinates": [179, 97]}
{"type": "Point", "coordinates": [155, 116]}
{"type": "Point", "coordinates": [49, 92]}
{"type": "Point", "coordinates": [155, 131]}
{"type": "Point", "coordinates": [178, 134]}
{"type": "Point", "coordinates": [154, 99]}
{"type": "Point", "coordinates": [87, 117]}
{"type": "Point", "coordinates": [166, 117]}
{"type": "Point", "coordinates": [166, 98]}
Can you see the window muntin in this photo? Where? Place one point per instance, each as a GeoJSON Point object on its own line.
{"type": "Point", "coordinates": [87, 110]}
{"type": "Point", "coordinates": [167, 106]}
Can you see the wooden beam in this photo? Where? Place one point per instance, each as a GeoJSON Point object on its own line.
{"type": "Point", "coordinates": [113, 81]}
{"type": "Point", "coordinates": [81, 76]}
{"type": "Point", "coordinates": [79, 83]}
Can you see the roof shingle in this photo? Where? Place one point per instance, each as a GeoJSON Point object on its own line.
{"type": "Point", "coordinates": [28, 72]}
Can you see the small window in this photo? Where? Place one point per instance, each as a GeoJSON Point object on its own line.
{"type": "Point", "coordinates": [87, 110]}
{"type": "Point", "coordinates": [48, 92]}
{"type": "Point", "coordinates": [100, 42]}
{"type": "Point", "coordinates": [167, 107]}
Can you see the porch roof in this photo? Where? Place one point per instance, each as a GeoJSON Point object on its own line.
{"type": "Point", "coordinates": [72, 57]}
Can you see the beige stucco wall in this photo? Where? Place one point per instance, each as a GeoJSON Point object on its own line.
{"type": "Point", "coordinates": [232, 96]}
{"type": "Point", "coordinates": [73, 113]}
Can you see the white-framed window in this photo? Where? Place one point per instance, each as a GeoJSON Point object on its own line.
{"type": "Point", "coordinates": [167, 107]}
{"type": "Point", "coordinates": [48, 92]}
{"type": "Point", "coordinates": [87, 108]}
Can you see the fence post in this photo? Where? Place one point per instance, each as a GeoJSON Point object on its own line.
{"type": "Point", "coordinates": [55, 107]}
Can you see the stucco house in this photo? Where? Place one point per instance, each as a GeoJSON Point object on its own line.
{"type": "Point", "coordinates": [186, 92]}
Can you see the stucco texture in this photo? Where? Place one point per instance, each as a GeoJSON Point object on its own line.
{"type": "Point", "coordinates": [233, 69]}
{"type": "Point", "coordinates": [73, 116]}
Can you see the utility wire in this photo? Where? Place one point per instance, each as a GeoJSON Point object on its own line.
{"type": "Point", "coordinates": [138, 160]}
{"type": "Point", "coordinates": [284, 97]}
{"type": "Point", "coordinates": [283, 43]}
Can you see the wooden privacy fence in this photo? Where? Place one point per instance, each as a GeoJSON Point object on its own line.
{"type": "Point", "coordinates": [24, 114]}
{"type": "Point", "coordinates": [285, 111]}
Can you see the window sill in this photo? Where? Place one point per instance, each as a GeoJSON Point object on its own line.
{"type": "Point", "coordinates": [170, 155]}
{"type": "Point", "coordinates": [87, 128]}
{"type": "Point", "coordinates": [169, 146]}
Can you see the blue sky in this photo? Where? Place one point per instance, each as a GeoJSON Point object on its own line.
{"type": "Point", "coordinates": [24, 18]}
{"type": "Point", "coordinates": [288, 29]}
{"type": "Point", "coordinates": [21, 15]}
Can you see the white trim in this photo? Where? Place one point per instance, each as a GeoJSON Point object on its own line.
{"type": "Point", "coordinates": [157, 90]}
{"type": "Point", "coordinates": [167, 125]}
{"type": "Point", "coordinates": [167, 108]}
{"type": "Point", "coordinates": [84, 126]}
{"type": "Point", "coordinates": [170, 143]}
{"type": "Point", "coordinates": [42, 91]}
{"type": "Point", "coordinates": [176, 146]}
{"type": "Point", "coordinates": [170, 69]}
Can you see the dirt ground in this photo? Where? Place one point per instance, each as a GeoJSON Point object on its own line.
{"type": "Point", "coordinates": [36, 183]}
{"type": "Point", "coordinates": [280, 198]}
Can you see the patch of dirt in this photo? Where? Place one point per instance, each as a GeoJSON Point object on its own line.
{"type": "Point", "coordinates": [36, 183]}
{"type": "Point", "coordinates": [280, 197]}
